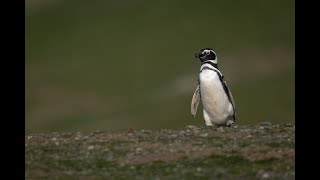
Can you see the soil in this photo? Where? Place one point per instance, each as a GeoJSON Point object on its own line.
{"type": "Point", "coordinates": [261, 151]}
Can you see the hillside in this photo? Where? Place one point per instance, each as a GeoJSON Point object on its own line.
{"type": "Point", "coordinates": [260, 151]}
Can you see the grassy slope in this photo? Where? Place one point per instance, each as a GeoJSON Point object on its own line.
{"type": "Point", "coordinates": [112, 65]}
{"type": "Point", "coordinates": [246, 152]}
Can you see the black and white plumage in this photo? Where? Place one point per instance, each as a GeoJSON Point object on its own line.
{"type": "Point", "coordinates": [217, 101]}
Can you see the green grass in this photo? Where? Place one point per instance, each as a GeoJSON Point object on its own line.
{"type": "Point", "coordinates": [164, 154]}
{"type": "Point", "coordinates": [235, 165]}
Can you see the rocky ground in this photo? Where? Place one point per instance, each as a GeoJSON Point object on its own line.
{"type": "Point", "coordinates": [261, 151]}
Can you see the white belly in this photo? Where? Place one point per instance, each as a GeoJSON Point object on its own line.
{"type": "Point", "coordinates": [215, 101]}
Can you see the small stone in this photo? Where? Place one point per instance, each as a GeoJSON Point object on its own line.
{"type": "Point", "coordinates": [220, 129]}
{"type": "Point", "coordinates": [249, 136]}
{"type": "Point", "coordinates": [204, 135]}
{"type": "Point", "coordinates": [146, 131]}
{"type": "Point", "coordinates": [199, 169]}
{"type": "Point", "coordinates": [265, 123]}
{"type": "Point", "coordinates": [174, 136]}
{"type": "Point", "coordinates": [56, 157]}
{"type": "Point", "coordinates": [265, 176]}
{"type": "Point", "coordinates": [130, 155]}
{"type": "Point", "coordinates": [192, 127]}
{"type": "Point", "coordinates": [97, 131]}
{"type": "Point", "coordinates": [109, 157]}
{"type": "Point", "coordinates": [90, 147]}
{"type": "Point", "coordinates": [188, 133]}
{"type": "Point", "coordinates": [138, 150]}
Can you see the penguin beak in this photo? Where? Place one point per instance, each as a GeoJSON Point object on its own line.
{"type": "Point", "coordinates": [197, 55]}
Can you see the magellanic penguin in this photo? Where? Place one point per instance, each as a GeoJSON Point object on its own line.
{"type": "Point", "coordinates": [217, 101]}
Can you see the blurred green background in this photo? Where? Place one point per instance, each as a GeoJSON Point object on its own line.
{"type": "Point", "coordinates": [118, 64]}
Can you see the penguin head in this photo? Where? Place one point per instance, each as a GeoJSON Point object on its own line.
{"type": "Point", "coordinates": [206, 54]}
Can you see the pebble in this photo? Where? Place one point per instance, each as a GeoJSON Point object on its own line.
{"type": "Point", "coordinates": [192, 127]}
{"type": "Point", "coordinates": [220, 129]}
{"type": "Point", "coordinates": [138, 150]}
{"type": "Point", "coordinates": [110, 157]}
{"type": "Point", "coordinates": [249, 136]}
{"type": "Point", "coordinates": [265, 175]}
{"type": "Point", "coordinates": [90, 147]}
{"type": "Point", "coordinates": [188, 133]}
{"type": "Point", "coordinates": [265, 123]}
{"type": "Point", "coordinates": [204, 135]}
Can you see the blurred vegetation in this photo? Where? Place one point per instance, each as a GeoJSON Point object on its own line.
{"type": "Point", "coordinates": [110, 64]}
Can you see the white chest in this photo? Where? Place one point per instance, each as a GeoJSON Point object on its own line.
{"type": "Point", "coordinates": [211, 87]}
{"type": "Point", "coordinates": [214, 99]}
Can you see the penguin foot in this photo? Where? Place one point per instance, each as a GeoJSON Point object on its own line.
{"type": "Point", "coordinates": [231, 123]}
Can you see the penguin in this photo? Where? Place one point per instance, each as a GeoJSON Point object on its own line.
{"type": "Point", "coordinates": [217, 100]}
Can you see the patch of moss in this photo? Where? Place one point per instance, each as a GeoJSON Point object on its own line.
{"type": "Point", "coordinates": [267, 161]}
{"type": "Point", "coordinates": [280, 144]}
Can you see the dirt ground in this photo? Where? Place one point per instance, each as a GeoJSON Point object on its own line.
{"type": "Point", "coordinates": [261, 151]}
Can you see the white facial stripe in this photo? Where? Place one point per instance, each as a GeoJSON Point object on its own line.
{"type": "Point", "coordinates": [206, 51]}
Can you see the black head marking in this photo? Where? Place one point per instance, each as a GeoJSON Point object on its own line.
{"type": "Point", "coordinates": [206, 54]}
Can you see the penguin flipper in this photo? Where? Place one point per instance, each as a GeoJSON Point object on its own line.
{"type": "Point", "coordinates": [231, 98]}
{"type": "Point", "coordinates": [195, 101]}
